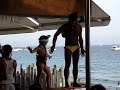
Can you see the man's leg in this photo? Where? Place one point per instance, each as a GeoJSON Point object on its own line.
{"type": "Point", "coordinates": [67, 66]}
{"type": "Point", "coordinates": [75, 57]}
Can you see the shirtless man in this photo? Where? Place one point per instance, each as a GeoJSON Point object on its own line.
{"type": "Point", "coordinates": [72, 32]}
{"type": "Point", "coordinates": [41, 58]}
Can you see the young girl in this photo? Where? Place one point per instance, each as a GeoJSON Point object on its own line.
{"type": "Point", "coordinates": [10, 67]}
{"type": "Point", "coordinates": [41, 57]}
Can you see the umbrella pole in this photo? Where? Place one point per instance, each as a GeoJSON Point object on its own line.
{"type": "Point", "coordinates": [87, 43]}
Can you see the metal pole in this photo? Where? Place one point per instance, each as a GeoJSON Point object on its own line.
{"type": "Point", "coordinates": [87, 44]}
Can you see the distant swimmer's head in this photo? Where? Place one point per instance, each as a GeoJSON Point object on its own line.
{"type": "Point", "coordinates": [44, 38]}
{"type": "Point", "coordinates": [73, 18]}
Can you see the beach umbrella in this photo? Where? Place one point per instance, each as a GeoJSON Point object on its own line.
{"type": "Point", "coordinates": [50, 14]}
{"type": "Point", "coordinates": [27, 16]}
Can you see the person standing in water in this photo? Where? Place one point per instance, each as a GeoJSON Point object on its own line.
{"type": "Point", "coordinates": [41, 59]}
{"type": "Point", "coordinates": [72, 32]}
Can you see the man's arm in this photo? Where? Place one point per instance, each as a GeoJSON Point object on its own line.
{"type": "Point", "coordinates": [81, 41]}
{"type": "Point", "coordinates": [80, 37]}
{"type": "Point", "coordinates": [55, 39]}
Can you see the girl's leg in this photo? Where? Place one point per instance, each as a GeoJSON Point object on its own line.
{"type": "Point", "coordinates": [48, 78]}
{"type": "Point", "coordinates": [40, 67]}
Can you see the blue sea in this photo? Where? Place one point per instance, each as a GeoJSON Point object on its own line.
{"type": "Point", "coordinates": [105, 64]}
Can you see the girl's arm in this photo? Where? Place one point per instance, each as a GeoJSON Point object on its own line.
{"type": "Point", "coordinates": [32, 51]}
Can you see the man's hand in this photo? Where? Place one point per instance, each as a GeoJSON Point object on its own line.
{"type": "Point", "coordinates": [51, 49]}
{"type": "Point", "coordinates": [82, 52]}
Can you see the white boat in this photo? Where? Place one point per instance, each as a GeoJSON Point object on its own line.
{"type": "Point", "coordinates": [17, 49]}
{"type": "Point", "coordinates": [115, 48]}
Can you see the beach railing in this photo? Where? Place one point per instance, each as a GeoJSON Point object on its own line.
{"type": "Point", "coordinates": [26, 77]}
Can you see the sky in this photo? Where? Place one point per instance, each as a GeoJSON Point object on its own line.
{"type": "Point", "coordinates": [107, 35]}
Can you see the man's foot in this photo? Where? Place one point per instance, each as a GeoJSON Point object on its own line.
{"type": "Point", "coordinates": [48, 86]}
{"type": "Point", "coordinates": [76, 85]}
{"type": "Point", "coordinates": [67, 86]}
{"type": "Point", "coordinates": [38, 85]}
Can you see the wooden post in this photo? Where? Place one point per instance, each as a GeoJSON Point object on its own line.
{"type": "Point", "coordinates": [35, 75]}
{"type": "Point", "coordinates": [32, 76]}
{"type": "Point", "coordinates": [43, 79]}
{"type": "Point", "coordinates": [17, 78]}
{"type": "Point", "coordinates": [53, 81]}
{"type": "Point", "coordinates": [61, 72]}
{"type": "Point", "coordinates": [63, 82]}
{"type": "Point", "coordinates": [23, 79]}
{"type": "Point", "coordinates": [59, 79]}
{"type": "Point", "coordinates": [28, 76]}
{"type": "Point", "coordinates": [55, 76]}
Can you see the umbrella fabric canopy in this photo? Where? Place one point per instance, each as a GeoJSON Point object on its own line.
{"type": "Point", "coordinates": [42, 7]}
{"type": "Point", "coordinates": [51, 21]}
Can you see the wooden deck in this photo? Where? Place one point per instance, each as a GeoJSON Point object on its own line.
{"type": "Point", "coordinates": [57, 88]}
{"type": "Point", "coordinates": [26, 78]}
{"type": "Point", "coordinates": [61, 88]}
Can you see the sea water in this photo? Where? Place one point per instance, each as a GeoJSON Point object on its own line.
{"type": "Point", "coordinates": [104, 64]}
